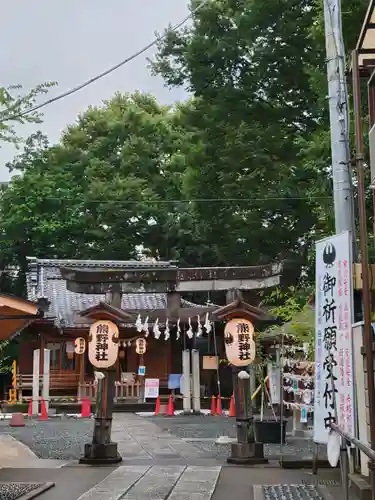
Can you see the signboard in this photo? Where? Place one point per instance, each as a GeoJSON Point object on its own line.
{"type": "Point", "coordinates": [141, 371]}
{"type": "Point", "coordinates": [239, 342]}
{"type": "Point", "coordinates": [174, 380]}
{"type": "Point", "coordinates": [333, 336]}
{"type": "Point", "coordinates": [79, 345]}
{"type": "Point", "coordinates": [210, 362]}
{"type": "Point", "coordinates": [273, 373]}
{"type": "Point", "coordinates": [152, 388]}
{"type": "Point", "coordinates": [103, 344]}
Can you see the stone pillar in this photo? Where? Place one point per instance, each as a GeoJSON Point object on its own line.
{"type": "Point", "coordinates": [245, 450]}
{"type": "Point", "coordinates": [35, 390]}
{"type": "Point", "coordinates": [186, 390]}
{"type": "Point", "coordinates": [46, 368]}
{"type": "Point", "coordinates": [195, 370]}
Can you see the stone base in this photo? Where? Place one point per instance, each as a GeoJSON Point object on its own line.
{"type": "Point", "coordinates": [247, 454]}
{"type": "Point", "coordinates": [100, 454]}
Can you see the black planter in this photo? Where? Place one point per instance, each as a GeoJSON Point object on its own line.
{"type": "Point", "coordinates": [269, 431]}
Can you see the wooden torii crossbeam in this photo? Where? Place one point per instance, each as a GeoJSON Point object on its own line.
{"type": "Point", "coordinates": [172, 279]}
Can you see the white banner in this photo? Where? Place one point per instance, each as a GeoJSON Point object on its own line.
{"type": "Point", "coordinates": [333, 336]}
{"type": "Point", "coordinates": [273, 373]}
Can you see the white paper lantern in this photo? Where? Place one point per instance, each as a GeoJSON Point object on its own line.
{"type": "Point", "coordinates": [239, 342]}
{"type": "Point", "coordinates": [140, 346]}
{"type": "Point", "coordinates": [103, 347]}
{"type": "Point", "coordinates": [79, 345]}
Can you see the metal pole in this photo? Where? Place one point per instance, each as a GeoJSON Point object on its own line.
{"type": "Point", "coordinates": [338, 113]}
{"type": "Point", "coordinates": [366, 297]}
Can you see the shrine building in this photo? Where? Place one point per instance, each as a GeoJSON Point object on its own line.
{"type": "Point", "coordinates": [71, 312]}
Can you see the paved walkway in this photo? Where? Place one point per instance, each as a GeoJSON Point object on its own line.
{"type": "Point", "coordinates": [142, 441]}
{"type": "Point", "coordinates": [175, 482]}
{"type": "Point", "coordinates": [157, 466]}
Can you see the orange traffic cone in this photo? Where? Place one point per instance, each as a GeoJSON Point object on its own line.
{"type": "Point", "coordinates": [30, 409]}
{"type": "Point", "coordinates": [170, 409]}
{"type": "Point", "coordinates": [157, 406]}
{"type": "Point", "coordinates": [86, 408]}
{"type": "Point", "coordinates": [218, 406]}
{"type": "Point", "coordinates": [43, 411]}
{"type": "Point", "coordinates": [232, 408]}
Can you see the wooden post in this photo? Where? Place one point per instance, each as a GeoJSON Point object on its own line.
{"type": "Point", "coordinates": [81, 361]}
{"type": "Point", "coordinates": [173, 305]}
{"type": "Point", "coordinates": [118, 369]}
{"type": "Point", "coordinates": [140, 379]}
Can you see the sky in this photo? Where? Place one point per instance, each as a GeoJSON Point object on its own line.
{"type": "Point", "coordinates": [70, 41]}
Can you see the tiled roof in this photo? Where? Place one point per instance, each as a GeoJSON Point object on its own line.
{"type": "Point", "coordinates": [44, 280]}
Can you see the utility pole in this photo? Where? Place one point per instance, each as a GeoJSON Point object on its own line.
{"type": "Point", "coordinates": [339, 119]}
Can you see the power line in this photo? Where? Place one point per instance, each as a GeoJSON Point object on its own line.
{"type": "Point", "coordinates": [108, 71]}
{"type": "Point", "coordinates": [193, 200]}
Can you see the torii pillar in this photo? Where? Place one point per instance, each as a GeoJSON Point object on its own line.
{"type": "Point", "coordinates": [245, 450]}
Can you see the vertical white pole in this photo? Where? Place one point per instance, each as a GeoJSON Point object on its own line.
{"type": "Point", "coordinates": [195, 371]}
{"type": "Point", "coordinates": [339, 119]}
{"type": "Point", "coordinates": [186, 393]}
{"type": "Point", "coordinates": [46, 365]}
{"type": "Point", "coordinates": [35, 392]}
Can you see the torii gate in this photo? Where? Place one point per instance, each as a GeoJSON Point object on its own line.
{"type": "Point", "coordinates": [173, 281]}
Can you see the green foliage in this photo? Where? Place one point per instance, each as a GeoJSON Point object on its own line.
{"type": "Point", "coordinates": [286, 304]}
{"type": "Point", "coordinates": [14, 103]}
{"type": "Point", "coordinates": [257, 72]}
{"type": "Point", "coordinates": [5, 356]}
{"type": "Point", "coordinates": [292, 307]}
{"type": "Point", "coordinates": [103, 190]}
{"type": "Point", "coordinates": [253, 139]}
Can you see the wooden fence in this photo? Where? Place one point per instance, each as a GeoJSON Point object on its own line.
{"type": "Point", "coordinates": [69, 382]}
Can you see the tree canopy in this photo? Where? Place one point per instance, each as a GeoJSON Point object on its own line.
{"type": "Point", "coordinates": [13, 104]}
{"type": "Point", "coordinates": [236, 175]}
{"type": "Point", "coordinates": [104, 190]}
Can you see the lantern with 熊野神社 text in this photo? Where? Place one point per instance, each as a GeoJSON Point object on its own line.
{"type": "Point", "coordinates": [239, 342]}
{"type": "Point", "coordinates": [103, 344]}
{"type": "Point", "coordinates": [79, 345]}
{"type": "Point", "coordinates": [140, 346]}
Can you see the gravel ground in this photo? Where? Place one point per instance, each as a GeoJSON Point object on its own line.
{"type": "Point", "coordinates": [64, 439]}
{"type": "Point", "coordinates": [210, 428]}
{"type": "Point", "coordinates": [57, 439]}
{"type": "Point", "coordinates": [12, 491]}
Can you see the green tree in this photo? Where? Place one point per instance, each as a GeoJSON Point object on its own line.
{"type": "Point", "coordinates": [104, 190]}
{"type": "Point", "coordinates": [12, 106]}
{"type": "Point", "coordinates": [257, 73]}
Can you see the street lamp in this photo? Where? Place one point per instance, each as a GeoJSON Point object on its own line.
{"type": "Point", "coordinates": [240, 350]}
{"type": "Point", "coordinates": [103, 352]}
